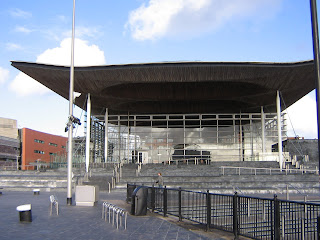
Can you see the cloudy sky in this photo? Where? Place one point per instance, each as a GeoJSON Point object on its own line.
{"type": "Point", "coordinates": [136, 31]}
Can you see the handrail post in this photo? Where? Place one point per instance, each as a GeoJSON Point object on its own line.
{"type": "Point", "coordinates": [208, 210]}
{"type": "Point", "coordinates": [165, 201]}
{"type": "Point", "coordinates": [153, 198]}
{"type": "Point", "coordinates": [318, 227]}
{"type": "Point", "coordinates": [180, 205]}
{"type": "Point", "coordinates": [277, 219]}
{"type": "Point", "coordinates": [235, 216]}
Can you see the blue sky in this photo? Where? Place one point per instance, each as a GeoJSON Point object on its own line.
{"type": "Point", "coordinates": [136, 31]}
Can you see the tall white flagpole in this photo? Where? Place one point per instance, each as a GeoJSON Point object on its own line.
{"type": "Point", "coordinates": [70, 123]}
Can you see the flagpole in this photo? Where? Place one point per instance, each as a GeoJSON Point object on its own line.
{"type": "Point", "coordinates": [70, 123]}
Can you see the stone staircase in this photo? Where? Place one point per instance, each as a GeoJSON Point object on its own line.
{"type": "Point", "coordinates": [192, 177]}
{"type": "Point", "coordinates": [27, 180]}
{"type": "Point", "coordinates": [53, 179]}
{"type": "Point", "coordinates": [209, 177]}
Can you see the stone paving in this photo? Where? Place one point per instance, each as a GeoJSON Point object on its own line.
{"type": "Point", "coordinates": [75, 222]}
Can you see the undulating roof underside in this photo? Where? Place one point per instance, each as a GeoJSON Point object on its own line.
{"type": "Point", "coordinates": [179, 87]}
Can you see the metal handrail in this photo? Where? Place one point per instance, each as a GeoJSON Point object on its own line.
{"type": "Point", "coordinates": [268, 169]}
{"type": "Point", "coordinates": [268, 218]}
{"type": "Point", "coordinates": [239, 190]}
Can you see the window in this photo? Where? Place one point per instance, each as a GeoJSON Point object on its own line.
{"type": "Point", "coordinates": [63, 146]}
{"type": "Point", "coordinates": [38, 151]}
{"type": "Point", "coordinates": [53, 144]}
{"type": "Point", "coordinates": [52, 154]}
{"type": "Point", "coordinates": [38, 141]}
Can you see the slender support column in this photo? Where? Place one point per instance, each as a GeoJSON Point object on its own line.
{"type": "Point", "coordinates": [279, 130]}
{"type": "Point", "coordinates": [128, 140]}
{"type": "Point", "coordinates": [167, 140]}
{"type": "Point", "coordinates": [251, 137]}
{"type": "Point", "coordinates": [136, 159]}
{"type": "Point", "coordinates": [106, 143]}
{"type": "Point", "coordinates": [88, 135]}
{"type": "Point", "coordinates": [240, 141]}
{"type": "Point", "coordinates": [119, 139]}
{"type": "Point", "coordinates": [152, 146]}
{"type": "Point", "coordinates": [263, 134]}
{"type": "Point", "coordinates": [184, 138]}
{"type": "Point", "coordinates": [70, 124]}
{"type": "Point", "coordinates": [315, 36]}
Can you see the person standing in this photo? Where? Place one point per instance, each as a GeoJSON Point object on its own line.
{"type": "Point", "coordinates": [160, 180]}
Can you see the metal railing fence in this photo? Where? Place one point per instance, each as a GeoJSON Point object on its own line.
{"type": "Point", "coordinates": [231, 170]}
{"type": "Point", "coordinates": [253, 217]}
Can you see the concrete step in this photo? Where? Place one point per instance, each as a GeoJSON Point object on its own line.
{"type": "Point", "coordinates": [30, 189]}
{"type": "Point", "coordinates": [227, 178]}
{"type": "Point", "coordinates": [32, 183]}
{"type": "Point", "coordinates": [242, 190]}
{"type": "Point", "coordinates": [101, 181]}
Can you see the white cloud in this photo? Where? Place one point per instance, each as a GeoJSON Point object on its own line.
{"type": "Point", "coordinates": [62, 18]}
{"type": "Point", "coordinates": [22, 29]}
{"type": "Point", "coordinates": [18, 13]}
{"type": "Point", "coordinates": [24, 85]}
{"type": "Point", "coordinates": [166, 17]}
{"type": "Point", "coordinates": [13, 46]}
{"type": "Point", "coordinates": [85, 55]}
{"type": "Point", "coordinates": [303, 115]}
{"type": "Point", "coordinates": [4, 75]}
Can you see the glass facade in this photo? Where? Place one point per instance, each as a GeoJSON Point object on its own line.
{"type": "Point", "coordinates": [189, 138]}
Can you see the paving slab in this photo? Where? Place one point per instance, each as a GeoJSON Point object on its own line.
{"type": "Point", "coordinates": [78, 222]}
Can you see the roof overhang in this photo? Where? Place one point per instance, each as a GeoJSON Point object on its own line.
{"type": "Point", "coordinates": [179, 87]}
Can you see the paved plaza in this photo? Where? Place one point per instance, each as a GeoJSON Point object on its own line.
{"type": "Point", "coordinates": [75, 222]}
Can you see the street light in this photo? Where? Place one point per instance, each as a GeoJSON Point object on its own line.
{"type": "Point", "coordinates": [70, 123]}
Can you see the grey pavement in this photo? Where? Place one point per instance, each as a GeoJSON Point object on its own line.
{"type": "Point", "coordinates": [75, 222]}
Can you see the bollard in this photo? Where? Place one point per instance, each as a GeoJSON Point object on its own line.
{"type": "Point", "coordinates": [25, 214]}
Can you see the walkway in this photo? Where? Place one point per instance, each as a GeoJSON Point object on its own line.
{"type": "Point", "coordinates": [85, 223]}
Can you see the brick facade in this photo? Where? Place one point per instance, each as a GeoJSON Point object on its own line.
{"type": "Point", "coordinates": [39, 146]}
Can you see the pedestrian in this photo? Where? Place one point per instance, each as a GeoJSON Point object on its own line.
{"type": "Point", "coordinates": [160, 180]}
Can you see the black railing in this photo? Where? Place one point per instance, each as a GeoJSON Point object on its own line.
{"type": "Point", "coordinates": [253, 217]}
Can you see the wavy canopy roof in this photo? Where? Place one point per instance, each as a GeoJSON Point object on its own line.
{"type": "Point", "coordinates": [179, 87]}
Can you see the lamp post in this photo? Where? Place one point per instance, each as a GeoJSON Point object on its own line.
{"type": "Point", "coordinates": [70, 122]}
{"type": "Point", "coordinates": [315, 36]}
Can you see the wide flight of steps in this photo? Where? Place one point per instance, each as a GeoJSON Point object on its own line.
{"type": "Point", "coordinates": [28, 180]}
{"type": "Point", "coordinates": [209, 177]}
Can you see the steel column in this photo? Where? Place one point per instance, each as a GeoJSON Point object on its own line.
{"type": "Point", "coordinates": [106, 144]}
{"type": "Point", "coordinates": [263, 135]}
{"type": "Point", "coordinates": [88, 134]}
{"type": "Point", "coordinates": [279, 130]}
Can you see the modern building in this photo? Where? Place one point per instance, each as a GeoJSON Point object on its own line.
{"type": "Point", "coordinates": [183, 111]}
{"type": "Point", "coordinates": [9, 142]}
{"type": "Point", "coordinates": [38, 147]}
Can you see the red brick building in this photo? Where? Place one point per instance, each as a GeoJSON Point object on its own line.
{"type": "Point", "coordinates": [39, 146]}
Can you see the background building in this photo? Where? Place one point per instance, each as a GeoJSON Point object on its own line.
{"type": "Point", "coordinates": [9, 143]}
{"type": "Point", "coordinates": [39, 147]}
